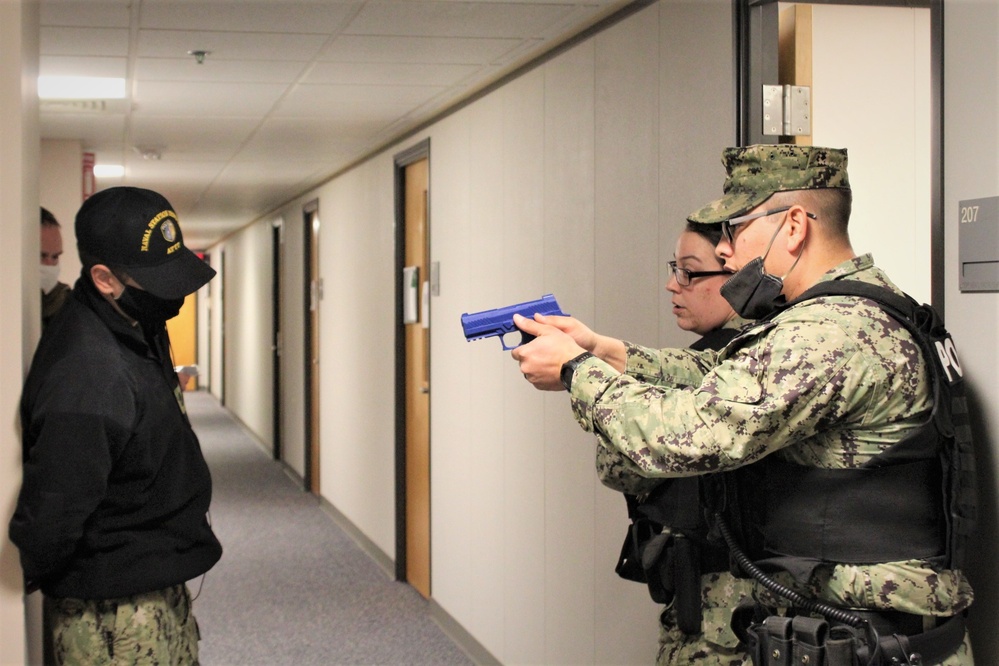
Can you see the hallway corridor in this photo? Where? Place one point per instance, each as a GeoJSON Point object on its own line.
{"type": "Point", "coordinates": [293, 588]}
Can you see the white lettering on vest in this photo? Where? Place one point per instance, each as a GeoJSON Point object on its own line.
{"type": "Point", "coordinates": [948, 358]}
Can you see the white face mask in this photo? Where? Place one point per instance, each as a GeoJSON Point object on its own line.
{"type": "Point", "coordinates": [49, 277]}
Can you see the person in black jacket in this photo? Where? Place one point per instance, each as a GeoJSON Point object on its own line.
{"type": "Point", "coordinates": [111, 520]}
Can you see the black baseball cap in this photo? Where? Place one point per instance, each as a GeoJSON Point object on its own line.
{"type": "Point", "coordinates": [136, 230]}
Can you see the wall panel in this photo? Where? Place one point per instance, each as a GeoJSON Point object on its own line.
{"type": "Point", "coordinates": [553, 183]}
{"type": "Point", "coordinates": [971, 171]}
{"type": "Point", "coordinates": [357, 359]}
{"type": "Point", "coordinates": [458, 445]}
{"type": "Point", "coordinates": [248, 331]}
{"type": "Point", "coordinates": [626, 193]}
{"type": "Point", "coordinates": [485, 448]}
{"type": "Point", "coordinates": [696, 123]}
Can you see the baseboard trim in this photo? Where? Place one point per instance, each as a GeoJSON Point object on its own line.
{"type": "Point", "coordinates": [451, 627]}
{"type": "Point", "coordinates": [367, 545]}
{"type": "Point", "coordinates": [464, 640]}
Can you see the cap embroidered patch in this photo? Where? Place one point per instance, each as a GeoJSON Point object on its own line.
{"type": "Point", "coordinates": [118, 227]}
{"type": "Point", "coordinates": [168, 230]}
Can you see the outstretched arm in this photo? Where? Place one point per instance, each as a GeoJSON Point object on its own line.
{"type": "Point", "coordinates": [610, 350]}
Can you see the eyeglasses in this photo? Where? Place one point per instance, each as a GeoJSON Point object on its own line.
{"type": "Point", "coordinates": [726, 225]}
{"type": "Point", "coordinates": [683, 276]}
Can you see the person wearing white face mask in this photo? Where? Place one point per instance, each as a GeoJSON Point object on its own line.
{"type": "Point", "coordinates": [53, 291]}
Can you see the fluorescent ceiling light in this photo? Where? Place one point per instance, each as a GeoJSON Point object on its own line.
{"type": "Point", "coordinates": [80, 87]}
{"type": "Point", "coordinates": [108, 171]}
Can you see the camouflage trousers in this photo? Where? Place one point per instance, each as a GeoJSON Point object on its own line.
{"type": "Point", "coordinates": [152, 629]}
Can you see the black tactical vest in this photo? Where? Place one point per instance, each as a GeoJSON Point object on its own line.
{"type": "Point", "coordinates": [916, 500]}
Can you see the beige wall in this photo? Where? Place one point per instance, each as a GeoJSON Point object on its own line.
{"type": "Point", "coordinates": [19, 301]}
{"type": "Point", "coordinates": [249, 369]}
{"type": "Point", "coordinates": [971, 171]}
{"type": "Point", "coordinates": [873, 99]}
{"type": "Point", "coordinates": [215, 319]}
{"type": "Point", "coordinates": [293, 333]}
{"type": "Point", "coordinates": [573, 179]}
{"type": "Point", "coordinates": [60, 182]}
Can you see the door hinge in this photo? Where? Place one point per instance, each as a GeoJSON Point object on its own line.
{"type": "Point", "coordinates": [787, 110]}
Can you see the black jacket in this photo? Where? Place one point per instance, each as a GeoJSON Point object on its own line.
{"type": "Point", "coordinates": [116, 489]}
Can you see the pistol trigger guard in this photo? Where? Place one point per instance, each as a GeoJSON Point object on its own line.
{"type": "Point", "coordinates": [524, 339]}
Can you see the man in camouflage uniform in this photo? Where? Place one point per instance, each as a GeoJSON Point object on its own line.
{"type": "Point", "coordinates": [828, 383]}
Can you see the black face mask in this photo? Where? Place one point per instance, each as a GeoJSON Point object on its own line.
{"type": "Point", "coordinates": [145, 308]}
{"type": "Point", "coordinates": [751, 292]}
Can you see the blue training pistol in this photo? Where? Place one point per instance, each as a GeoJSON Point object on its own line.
{"type": "Point", "coordinates": [499, 322]}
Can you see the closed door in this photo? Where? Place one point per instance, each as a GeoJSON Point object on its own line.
{"type": "Point", "coordinates": [417, 337]}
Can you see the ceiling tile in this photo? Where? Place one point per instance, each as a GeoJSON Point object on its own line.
{"type": "Point", "coordinates": [235, 100]}
{"type": "Point", "coordinates": [294, 17]}
{"type": "Point", "coordinates": [292, 91]}
{"type": "Point", "coordinates": [199, 138]}
{"type": "Point", "coordinates": [307, 139]}
{"type": "Point", "coordinates": [401, 49]}
{"type": "Point", "coordinates": [455, 19]}
{"type": "Point", "coordinates": [93, 13]}
{"type": "Point", "coordinates": [353, 102]}
{"type": "Point", "coordinates": [240, 46]}
{"type": "Point", "coordinates": [214, 69]}
{"type": "Point", "coordinates": [84, 41]}
{"type": "Point", "coordinates": [389, 73]}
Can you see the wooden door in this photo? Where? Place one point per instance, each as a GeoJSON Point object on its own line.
{"type": "Point", "coordinates": [417, 352]}
{"type": "Point", "coordinates": [183, 330]}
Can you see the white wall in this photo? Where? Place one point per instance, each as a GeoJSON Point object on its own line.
{"type": "Point", "coordinates": [573, 179]}
{"type": "Point", "coordinates": [971, 171]}
{"type": "Point", "coordinates": [19, 301]}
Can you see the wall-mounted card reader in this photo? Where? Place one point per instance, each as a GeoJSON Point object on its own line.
{"type": "Point", "coordinates": [978, 244]}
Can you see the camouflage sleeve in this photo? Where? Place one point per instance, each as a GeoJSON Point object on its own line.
{"type": "Point", "coordinates": [780, 388]}
{"type": "Point", "coordinates": [668, 367]}
{"type": "Point", "coordinates": [615, 469]}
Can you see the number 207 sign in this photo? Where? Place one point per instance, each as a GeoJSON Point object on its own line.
{"type": "Point", "coordinates": [978, 244]}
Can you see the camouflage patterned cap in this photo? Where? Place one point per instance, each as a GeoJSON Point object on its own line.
{"type": "Point", "coordinates": [756, 172]}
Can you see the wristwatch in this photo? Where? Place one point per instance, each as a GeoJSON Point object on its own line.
{"type": "Point", "coordinates": [569, 367]}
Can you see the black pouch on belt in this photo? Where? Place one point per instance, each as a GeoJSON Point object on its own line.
{"type": "Point", "coordinates": [770, 641]}
{"type": "Point", "coordinates": [787, 641]}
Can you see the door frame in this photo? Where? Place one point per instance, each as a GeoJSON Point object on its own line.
{"type": "Point", "coordinates": [754, 65]}
{"type": "Point", "coordinates": [310, 480]}
{"type": "Point", "coordinates": [277, 245]}
{"type": "Point", "coordinates": [401, 160]}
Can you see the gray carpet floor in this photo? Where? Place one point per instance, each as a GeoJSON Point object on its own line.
{"type": "Point", "coordinates": [292, 587]}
